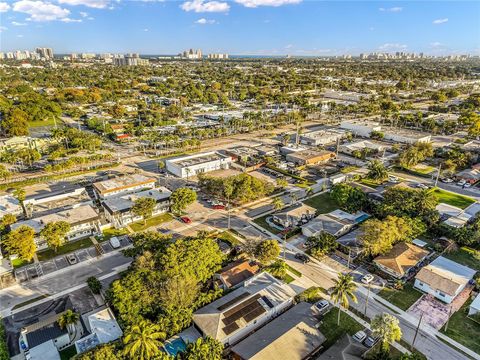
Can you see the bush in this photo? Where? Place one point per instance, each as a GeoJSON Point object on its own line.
{"type": "Point", "coordinates": [3, 343]}
{"type": "Point", "coordinates": [94, 284]}
{"type": "Point", "coordinates": [310, 295]}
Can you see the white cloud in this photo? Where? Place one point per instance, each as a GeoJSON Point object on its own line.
{"type": "Point", "coordinates": [4, 7]}
{"type": "Point", "coordinates": [3, 28]}
{"type": "Point", "coordinates": [199, 6]}
{"type": "Point", "coordinates": [146, 30]}
{"type": "Point", "coordinates": [90, 18]}
{"type": "Point", "coordinates": [436, 44]}
{"type": "Point", "coordinates": [97, 4]}
{"type": "Point", "coordinates": [392, 9]}
{"type": "Point", "coordinates": [257, 3]}
{"type": "Point", "coordinates": [204, 21]}
{"type": "Point", "coordinates": [69, 20]}
{"type": "Point", "coordinates": [15, 23]}
{"type": "Point", "coordinates": [440, 21]}
{"type": "Point", "coordinates": [392, 46]}
{"type": "Point", "coordinates": [19, 36]}
{"type": "Point", "coordinates": [83, 14]}
{"type": "Point", "coordinates": [40, 11]}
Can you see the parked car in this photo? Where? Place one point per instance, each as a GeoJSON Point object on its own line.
{"type": "Point", "coordinates": [302, 257]}
{"type": "Point", "coordinates": [370, 341]}
{"type": "Point", "coordinates": [461, 182]}
{"type": "Point", "coordinates": [219, 207]}
{"type": "Point", "coordinates": [467, 185]}
{"type": "Point", "coordinates": [186, 219]}
{"type": "Point", "coordinates": [360, 336]}
{"type": "Point", "coordinates": [322, 305]}
{"type": "Point", "coordinates": [114, 242]}
{"type": "Point", "coordinates": [368, 278]}
{"type": "Point", "coordinates": [422, 186]}
{"type": "Point", "coordinates": [393, 179]}
{"type": "Point", "coordinates": [72, 259]}
{"type": "Point", "coordinates": [447, 180]}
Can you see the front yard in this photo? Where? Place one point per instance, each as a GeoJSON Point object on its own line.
{"type": "Point", "coordinates": [401, 298]}
{"type": "Point", "coordinates": [323, 203]}
{"type": "Point", "coordinates": [107, 234]}
{"type": "Point", "coordinates": [153, 221]}
{"type": "Point", "coordinates": [452, 198]}
{"type": "Point", "coordinates": [332, 331]}
{"type": "Point", "coordinates": [264, 224]}
{"type": "Point", "coordinates": [463, 329]}
{"type": "Point", "coordinates": [465, 256]}
{"type": "Point", "coordinates": [65, 249]}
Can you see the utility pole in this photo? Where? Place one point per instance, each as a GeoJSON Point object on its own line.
{"type": "Point", "coordinates": [366, 300]}
{"type": "Point", "coordinates": [416, 331]}
{"type": "Point", "coordinates": [438, 174]}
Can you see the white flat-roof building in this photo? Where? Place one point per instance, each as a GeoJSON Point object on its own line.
{"type": "Point", "coordinates": [361, 145]}
{"type": "Point", "coordinates": [406, 136]}
{"type": "Point", "coordinates": [9, 205]}
{"type": "Point", "coordinates": [321, 137]}
{"type": "Point", "coordinates": [361, 127]}
{"type": "Point", "coordinates": [192, 165]}
{"type": "Point", "coordinates": [122, 185]}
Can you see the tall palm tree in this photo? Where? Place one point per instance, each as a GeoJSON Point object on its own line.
{"type": "Point", "coordinates": [143, 340]}
{"type": "Point", "coordinates": [68, 319]}
{"type": "Point", "coordinates": [277, 203]}
{"type": "Point", "coordinates": [343, 290]}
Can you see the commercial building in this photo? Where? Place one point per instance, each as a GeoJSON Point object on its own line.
{"type": "Point", "coordinates": [235, 315]}
{"type": "Point", "coordinates": [401, 259]}
{"type": "Point", "coordinates": [361, 127]}
{"type": "Point", "coordinates": [84, 221]}
{"type": "Point", "coordinates": [406, 136]}
{"type": "Point", "coordinates": [443, 278]}
{"type": "Point", "coordinates": [362, 146]}
{"type": "Point", "coordinates": [122, 185]}
{"type": "Point", "coordinates": [321, 137]}
{"type": "Point", "coordinates": [192, 165]}
{"type": "Point", "coordinates": [118, 210]}
{"type": "Point", "coordinates": [310, 157]}
{"type": "Point", "coordinates": [293, 335]}
{"type": "Point", "coordinates": [217, 56]}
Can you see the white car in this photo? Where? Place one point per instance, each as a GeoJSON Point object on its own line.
{"type": "Point", "coordinates": [367, 279]}
{"type": "Point", "coordinates": [467, 185]}
{"type": "Point", "coordinates": [114, 242]}
{"type": "Point", "coordinates": [447, 180]}
{"type": "Point", "coordinates": [360, 336]}
{"type": "Point", "coordinates": [461, 182]}
{"type": "Point", "coordinates": [393, 179]}
{"type": "Point", "coordinates": [422, 186]}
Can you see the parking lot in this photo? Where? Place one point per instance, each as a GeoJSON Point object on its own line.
{"type": "Point", "coordinates": [46, 267]}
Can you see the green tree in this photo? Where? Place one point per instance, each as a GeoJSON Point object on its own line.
{"type": "Point", "coordinates": [4, 172]}
{"type": "Point", "coordinates": [343, 289]}
{"type": "Point", "coordinates": [267, 251]}
{"type": "Point", "coordinates": [4, 355]}
{"type": "Point", "coordinates": [7, 220]}
{"type": "Point", "coordinates": [94, 284]}
{"type": "Point", "coordinates": [15, 123]}
{"type": "Point", "coordinates": [143, 340]}
{"type": "Point", "coordinates": [348, 197]}
{"type": "Point", "coordinates": [21, 242]}
{"type": "Point", "coordinates": [204, 349]}
{"type": "Point", "coordinates": [69, 320]}
{"type": "Point", "coordinates": [103, 352]}
{"type": "Point", "coordinates": [181, 198]}
{"type": "Point", "coordinates": [278, 269]}
{"type": "Point", "coordinates": [277, 203]}
{"type": "Point", "coordinates": [322, 244]}
{"type": "Point", "coordinates": [387, 328]}
{"type": "Point", "coordinates": [179, 292]}
{"type": "Point", "coordinates": [282, 183]}
{"type": "Point", "coordinates": [144, 207]}
{"type": "Point", "coordinates": [377, 171]}
{"type": "Point", "coordinates": [54, 233]}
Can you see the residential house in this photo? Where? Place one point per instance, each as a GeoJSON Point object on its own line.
{"type": "Point", "coordinates": [474, 306]}
{"type": "Point", "coordinates": [336, 223]}
{"type": "Point", "coordinates": [102, 328]}
{"type": "Point", "coordinates": [235, 315]}
{"type": "Point", "coordinates": [469, 175]}
{"type": "Point", "coordinates": [84, 222]}
{"type": "Point", "coordinates": [344, 349]}
{"type": "Point", "coordinates": [118, 210]}
{"type": "Point", "coordinates": [351, 243]}
{"type": "Point", "coordinates": [443, 278]}
{"type": "Point", "coordinates": [293, 335]}
{"type": "Point", "coordinates": [192, 165]}
{"type": "Point", "coordinates": [122, 185]}
{"type": "Point", "coordinates": [9, 205]}
{"type": "Point", "coordinates": [235, 274]}
{"type": "Point", "coordinates": [294, 215]}
{"type": "Point", "coordinates": [401, 259]}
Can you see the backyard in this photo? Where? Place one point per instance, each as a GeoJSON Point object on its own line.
{"type": "Point", "coordinates": [465, 256]}
{"type": "Point", "coordinates": [332, 331]}
{"type": "Point", "coordinates": [401, 298]}
{"type": "Point", "coordinates": [463, 329]}
{"type": "Point", "coordinates": [65, 249]}
{"type": "Point", "coordinates": [323, 203]}
{"type": "Point", "coordinates": [453, 199]}
{"type": "Point", "coordinates": [153, 221]}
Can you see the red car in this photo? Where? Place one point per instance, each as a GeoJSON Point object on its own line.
{"type": "Point", "coordinates": [219, 207]}
{"type": "Point", "coordinates": [186, 219]}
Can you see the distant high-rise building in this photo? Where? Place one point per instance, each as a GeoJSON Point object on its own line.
{"type": "Point", "coordinates": [129, 61]}
{"type": "Point", "coordinates": [217, 56]}
{"type": "Point", "coordinates": [192, 54]}
{"type": "Point", "coordinates": [44, 53]}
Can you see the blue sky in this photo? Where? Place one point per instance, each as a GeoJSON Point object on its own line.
{"type": "Point", "coordinates": [256, 27]}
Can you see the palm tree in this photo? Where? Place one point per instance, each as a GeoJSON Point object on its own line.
{"type": "Point", "coordinates": [68, 319]}
{"type": "Point", "coordinates": [278, 268]}
{"type": "Point", "coordinates": [143, 340]}
{"type": "Point", "coordinates": [344, 288]}
{"type": "Point", "coordinates": [277, 203]}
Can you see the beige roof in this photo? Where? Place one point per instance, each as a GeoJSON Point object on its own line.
{"type": "Point", "coordinates": [402, 257]}
{"type": "Point", "coordinates": [237, 272]}
{"type": "Point", "coordinates": [122, 183]}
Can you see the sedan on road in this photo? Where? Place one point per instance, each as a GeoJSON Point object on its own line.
{"type": "Point", "coordinates": [302, 257]}
{"type": "Point", "coordinates": [366, 279]}
{"type": "Point", "coordinates": [186, 219]}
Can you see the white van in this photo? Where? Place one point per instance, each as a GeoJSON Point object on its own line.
{"type": "Point", "coordinates": [115, 242]}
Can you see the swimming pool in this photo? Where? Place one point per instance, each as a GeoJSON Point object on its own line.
{"type": "Point", "coordinates": [361, 218]}
{"type": "Point", "coordinates": [175, 346]}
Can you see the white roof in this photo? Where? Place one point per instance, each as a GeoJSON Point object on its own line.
{"type": "Point", "coordinates": [419, 243]}
{"type": "Point", "coordinates": [103, 324]}
{"type": "Point", "coordinates": [476, 303]}
{"type": "Point", "coordinates": [45, 351]}
{"type": "Point", "coordinates": [9, 205]}
{"type": "Point", "coordinates": [473, 209]}
{"type": "Point", "coordinates": [450, 269]}
{"type": "Point", "coordinates": [446, 209]}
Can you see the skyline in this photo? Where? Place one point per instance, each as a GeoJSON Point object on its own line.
{"type": "Point", "coordinates": [241, 27]}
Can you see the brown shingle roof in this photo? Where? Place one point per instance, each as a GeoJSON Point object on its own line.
{"type": "Point", "coordinates": [437, 281]}
{"type": "Point", "coordinates": [238, 272]}
{"type": "Point", "coordinates": [402, 257]}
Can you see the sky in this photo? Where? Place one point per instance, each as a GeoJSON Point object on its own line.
{"type": "Point", "coordinates": [241, 27]}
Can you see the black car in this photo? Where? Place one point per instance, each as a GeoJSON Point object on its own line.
{"type": "Point", "coordinates": [302, 257]}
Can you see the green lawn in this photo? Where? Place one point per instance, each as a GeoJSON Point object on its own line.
{"type": "Point", "coordinates": [16, 263]}
{"type": "Point", "coordinates": [153, 221]}
{"type": "Point", "coordinates": [263, 223]}
{"type": "Point", "coordinates": [422, 169]}
{"type": "Point", "coordinates": [65, 249]}
{"type": "Point", "coordinates": [68, 353]}
{"type": "Point", "coordinates": [453, 199]}
{"type": "Point", "coordinates": [463, 329]}
{"type": "Point", "coordinates": [323, 203]}
{"type": "Point", "coordinates": [107, 234]}
{"type": "Point", "coordinates": [371, 182]}
{"type": "Point", "coordinates": [294, 271]}
{"type": "Point", "coordinates": [228, 237]}
{"type": "Point", "coordinates": [46, 122]}
{"type": "Point", "coordinates": [401, 298]}
{"type": "Point", "coordinates": [332, 331]}
{"type": "Point", "coordinates": [465, 256]}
